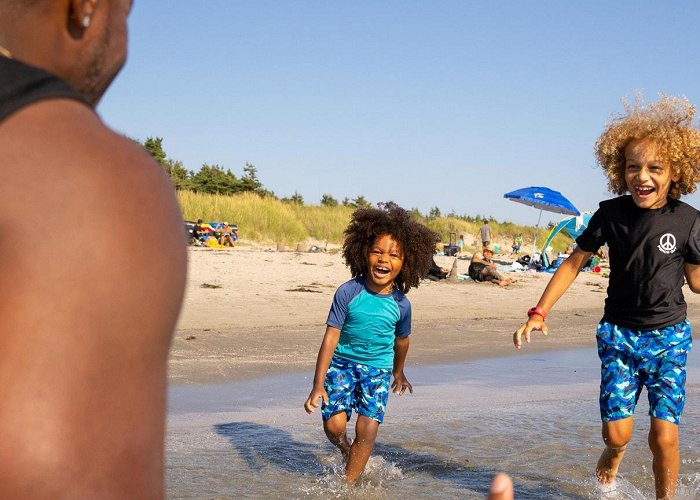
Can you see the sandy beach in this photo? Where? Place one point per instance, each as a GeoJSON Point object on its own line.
{"type": "Point", "coordinates": [250, 313]}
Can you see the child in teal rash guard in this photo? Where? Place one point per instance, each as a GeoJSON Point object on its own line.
{"type": "Point", "coordinates": [652, 153]}
{"type": "Point", "coordinates": [368, 326]}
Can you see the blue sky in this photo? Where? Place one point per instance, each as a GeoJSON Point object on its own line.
{"type": "Point", "coordinates": [426, 103]}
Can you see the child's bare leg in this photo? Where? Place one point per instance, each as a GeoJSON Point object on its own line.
{"type": "Point", "coordinates": [616, 435]}
{"type": "Point", "coordinates": [335, 428]}
{"type": "Point", "coordinates": [365, 435]}
{"type": "Point", "coordinates": [663, 441]}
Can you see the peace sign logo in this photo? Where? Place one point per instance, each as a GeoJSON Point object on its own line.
{"type": "Point", "coordinates": [667, 243]}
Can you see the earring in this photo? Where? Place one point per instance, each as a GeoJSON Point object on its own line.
{"type": "Point", "coordinates": [86, 21]}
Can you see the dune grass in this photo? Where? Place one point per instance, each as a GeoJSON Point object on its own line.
{"type": "Point", "coordinates": [259, 219]}
{"type": "Point", "coordinates": [267, 220]}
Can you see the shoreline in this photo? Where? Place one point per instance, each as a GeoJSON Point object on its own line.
{"type": "Point", "coordinates": [218, 372]}
{"type": "Point", "coordinates": [208, 368]}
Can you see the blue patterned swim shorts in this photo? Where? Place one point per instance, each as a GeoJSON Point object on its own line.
{"type": "Point", "coordinates": [633, 359]}
{"type": "Point", "coordinates": [354, 386]}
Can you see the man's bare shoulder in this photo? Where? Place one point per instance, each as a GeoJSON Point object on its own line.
{"type": "Point", "coordinates": [63, 139]}
{"type": "Point", "coordinates": [99, 198]}
{"type": "Point", "coordinates": [95, 240]}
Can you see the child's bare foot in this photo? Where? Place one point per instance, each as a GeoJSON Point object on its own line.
{"type": "Point", "coordinates": [606, 477]}
{"type": "Point", "coordinates": [606, 468]}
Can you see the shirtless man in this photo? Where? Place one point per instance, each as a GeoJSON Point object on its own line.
{"type": "Point", "coordinates": [85, 323]}
{"type": "Point", "coordinates": [481, 268]}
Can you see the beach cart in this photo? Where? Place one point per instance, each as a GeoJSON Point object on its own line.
{"type": "Point", "coordinates": [452, 248]}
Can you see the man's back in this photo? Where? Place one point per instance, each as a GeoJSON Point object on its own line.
{"type": "Point", "coordinates": [485, 232]}
{"type": "Point", "coordinates": [85, 321]}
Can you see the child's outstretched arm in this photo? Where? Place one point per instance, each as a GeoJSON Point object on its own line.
{"type": "Point", "coordinates": [400, 383]}
{"type": "Point", "coordinates": [692, 276]}
{"type": "Point", "coordinates": [560, 282]}
{"type": "Point", "coordinates": [323, 361]}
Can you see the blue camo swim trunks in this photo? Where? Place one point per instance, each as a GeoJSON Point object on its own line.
{"type": "Point", "coordinates": [632, 359]}
{"type": "Point", "coordinates": [354, 386]}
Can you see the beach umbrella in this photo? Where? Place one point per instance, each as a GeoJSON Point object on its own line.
{"type": "Point", "coordinates": [544, 199]}
{"type": "Point", "coordinates": [573, 226]}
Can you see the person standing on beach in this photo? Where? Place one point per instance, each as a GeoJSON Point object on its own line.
{"type": "Point", "coordinates": [653, 153]}
{"type": "Point", "coordinates": [485, 234]}
{"type": "Point", "coordinates": [368, 328]}
{"type": "Point", "coordinates": [86, 322]}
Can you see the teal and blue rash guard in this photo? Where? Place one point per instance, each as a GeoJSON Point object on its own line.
{"type": "Point", "coordinates": [368, 323]}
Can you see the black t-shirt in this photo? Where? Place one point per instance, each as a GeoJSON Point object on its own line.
{"type": "Point", "coordinates": [647, 249]}
{"type": "Point", "coordinates": [21, 85]}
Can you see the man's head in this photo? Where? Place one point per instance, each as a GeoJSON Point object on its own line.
{"type": "Point", "coordinates": [488, 252]}
{"type": "Point", "coordinates": [84, 42]}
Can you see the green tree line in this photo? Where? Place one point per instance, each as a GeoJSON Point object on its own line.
{"type": "Point", "coordinates": [214, 179]}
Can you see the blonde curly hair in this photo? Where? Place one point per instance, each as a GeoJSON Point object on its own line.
{"type": "Point", "coordinates": [669, 122]}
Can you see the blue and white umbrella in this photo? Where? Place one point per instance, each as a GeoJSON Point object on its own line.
{"type": "Point", "coordinates": [545, 199]}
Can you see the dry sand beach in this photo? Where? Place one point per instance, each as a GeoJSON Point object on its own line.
{"type": "Point", "coordinates": [250, 313]}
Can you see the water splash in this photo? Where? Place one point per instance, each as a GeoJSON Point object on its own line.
{"type": "Point", "coordinates": [379, 475]}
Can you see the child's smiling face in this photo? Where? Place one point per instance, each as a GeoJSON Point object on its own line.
{"type": "Point", "coordinates": [648, 177]}
{"type": "Point", "coordinates": [384, 263]}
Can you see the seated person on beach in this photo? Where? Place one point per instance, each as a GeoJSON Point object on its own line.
{"type": "Point", "coordinates": [437, 273]}
{"type": "Point", "coordinates": [226, 235]}
{"type": "Point", "coordinates": [482, 269]}
{"type": "Point", "coordinates": [198, 233]}
{"type": "Point", "coordinates": [563, 255]}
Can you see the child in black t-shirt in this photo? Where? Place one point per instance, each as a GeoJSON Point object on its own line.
{"type": "Point", "coordinates": [653, 153]}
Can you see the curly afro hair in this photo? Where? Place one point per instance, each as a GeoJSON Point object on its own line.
{"type": "Point", "coordinates": [669, 122]}
{"type": "Point", "coordinates": [417, 242]}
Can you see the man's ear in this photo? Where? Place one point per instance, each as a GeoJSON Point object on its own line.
{"type": "Point", "coordinates": [80, 14]}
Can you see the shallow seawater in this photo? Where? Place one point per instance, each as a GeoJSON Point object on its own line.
{"type": "Point", "coordinates": [532, 415]}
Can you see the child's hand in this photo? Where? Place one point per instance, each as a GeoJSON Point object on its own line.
{"type": "Point", "coordinates": [535, 322]}
{"type": "Point", "coordinates": [312, 401]}
{"type": "Point", "coordinates": [400, 384]}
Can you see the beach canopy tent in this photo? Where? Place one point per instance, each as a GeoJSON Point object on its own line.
{"type": "Point", "coordinates": [573, 226]}
{"type": "Point", "coordinates": [544, 199]}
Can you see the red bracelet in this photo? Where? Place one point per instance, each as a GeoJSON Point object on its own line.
{"type": "Point", "coordinates": [538, 311]}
